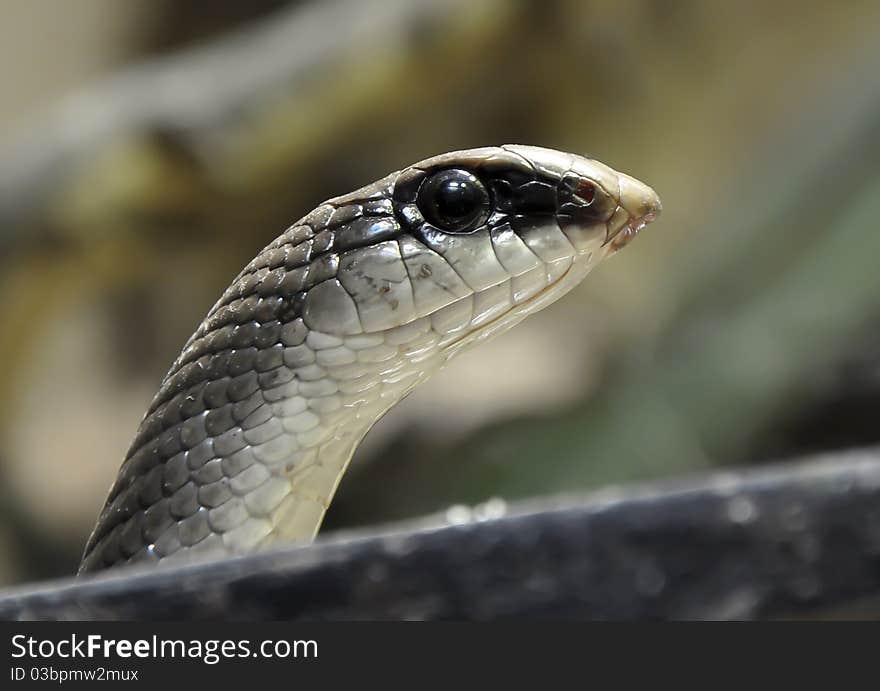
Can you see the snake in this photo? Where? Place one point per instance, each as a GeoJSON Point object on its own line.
{"type": "Point", "coordinates": [332, 324]}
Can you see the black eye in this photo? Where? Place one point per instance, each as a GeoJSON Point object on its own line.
{"type": "Point", "coordinates": [454, 200]}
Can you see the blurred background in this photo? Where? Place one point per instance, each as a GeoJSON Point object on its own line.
{"type": "Point", "coordinates": [149, 148]}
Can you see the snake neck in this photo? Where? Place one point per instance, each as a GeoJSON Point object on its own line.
{"type": "Point", "coordinates": [304, 441]}
{"type": "Point", "coordinates": [262, 460]}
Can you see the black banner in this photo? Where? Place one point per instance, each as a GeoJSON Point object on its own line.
{"type": "Point", "coordinates": [417, 653]}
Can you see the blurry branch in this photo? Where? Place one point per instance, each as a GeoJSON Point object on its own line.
{"type": "Point", "coordinates": [801, 540]}
{"type": "Point", "coordinates": [239, 107]}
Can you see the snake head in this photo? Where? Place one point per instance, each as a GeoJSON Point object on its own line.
{"type": "Point", "coordinates": [478, 239]}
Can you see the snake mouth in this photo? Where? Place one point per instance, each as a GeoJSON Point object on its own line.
{"type": "Point", "coordinates": [639, 204]}
{"type": "Point", "coordinates": [621, 237]}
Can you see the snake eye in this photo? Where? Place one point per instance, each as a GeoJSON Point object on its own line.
{"type": "Point", "coordinates": [454, 200]}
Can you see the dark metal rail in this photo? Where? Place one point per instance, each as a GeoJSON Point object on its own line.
{"type": "Point", "coordinates": [788, 541]}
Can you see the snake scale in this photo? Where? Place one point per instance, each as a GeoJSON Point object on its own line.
{"type": "Point", "coordinates": [333, 323]}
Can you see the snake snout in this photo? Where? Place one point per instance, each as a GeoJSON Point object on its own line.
{"type": "Point", "coordinates": [638, 199]}
{"type": "Point", "coordinates": [639, 206]}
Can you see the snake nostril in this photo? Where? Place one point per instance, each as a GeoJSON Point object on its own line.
{"type": "Point", "coordinates": [586, 191]}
